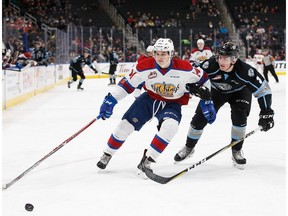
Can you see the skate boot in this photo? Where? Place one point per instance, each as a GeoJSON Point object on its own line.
{"type": "Point", "coordinates": [69, 84]}
{"type": "Point", "coordinates": [145, 162]}
{"type": "Point", "coordinates": [111, 84]}
{"type": "Point", "coordinates": [104, 160]}
{"type": "Point", "coordinates": [238, 160]}
{"type": "Point", "coordinates": [184, 154]}
{"type": "Point", "coordinates": [79, 87]}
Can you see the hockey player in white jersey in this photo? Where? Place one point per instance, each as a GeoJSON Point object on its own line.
{"type": "Point", "coordinates": [200, 53]}
{"type": "Point", "coordinates": [165, 79]}
{"type": "Point", "coordinates": [258, 61]}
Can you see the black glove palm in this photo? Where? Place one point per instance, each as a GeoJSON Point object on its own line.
{"type": "Point", "coordinates": [266, 119]}
{"type": "Point", "coordinates": [200, 91]}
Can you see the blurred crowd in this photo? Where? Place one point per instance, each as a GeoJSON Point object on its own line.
{"type": "Point", "coordinates": [25, 38]}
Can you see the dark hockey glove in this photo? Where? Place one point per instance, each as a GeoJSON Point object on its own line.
{"type": "Point", "coordinates": [106, 109]}
{"type": "Point", "coordinates": [95, 71]}
{"type": "Point", "coordinates": [70, 68]}
{"type": "Point", "coordinates": [200, 91]}
{"type": "Point", "coordinates": [266, 120]}
{"type": "Point", "coordinates": [195, 64]}
{"type": "Point", "coordinates": [208, 110]}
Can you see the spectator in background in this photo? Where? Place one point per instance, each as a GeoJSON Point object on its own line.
{"type": "Point", "coordinates": [39, 54]}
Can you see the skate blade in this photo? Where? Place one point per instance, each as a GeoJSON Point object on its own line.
{"type": "Point", "coordinates": [238, 166]}
{"type": "Point", "coordinates": [141, 174]}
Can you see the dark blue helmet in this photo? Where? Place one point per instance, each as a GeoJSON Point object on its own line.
{"type": "Point", "coordinates": [229, 49]}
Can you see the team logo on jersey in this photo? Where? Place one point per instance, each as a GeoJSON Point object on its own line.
{"type": "Point", "coordinates": [205, 65]}
{"type": "Point", "coordinates": [223, 86]}
{"type": "Point", "coordinates": [202, 58]}
{"type": "Point", "coordinates": [152, 75]}
{"type": "Point", "coordinates": [164, 90]}
{"type": "Point", "coordinates": [251, 72]}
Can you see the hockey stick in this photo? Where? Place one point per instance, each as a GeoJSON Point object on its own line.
{"type": "Point", "coordinates": [164, 180]}
{"type": "Point", "coordinates": [7, 185]}
{"type": "Point", "coordinates": [117, 75]}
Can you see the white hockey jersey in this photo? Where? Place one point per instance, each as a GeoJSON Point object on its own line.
{"type": "Point", "coordinates": [162, 84]}
{"type": "Point", "coordinates": [258, 58]}
{"type": "Point", "coordinates": [198, 56]}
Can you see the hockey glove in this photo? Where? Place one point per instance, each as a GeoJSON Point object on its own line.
{"type": "Point", "coordinates": [266, 120]}
{"type": "Point", "coordinates": [208, 110]}
{"type": "Point", "coordinates": [106, 109]}
{"type": "Point", "coordinates": [200, 91]}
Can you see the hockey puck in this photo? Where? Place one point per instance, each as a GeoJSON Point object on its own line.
{"type": "Point", "coordinates": [29, 207]}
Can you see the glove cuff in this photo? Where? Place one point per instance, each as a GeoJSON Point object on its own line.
{"type": "Point", "coordinates": [112, 98]}
{"type": "Point", "coordinates": [267, 112]}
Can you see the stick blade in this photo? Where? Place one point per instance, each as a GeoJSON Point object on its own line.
{"type": "Point", "coordinates": [161, 179]}
{"type": "Point", "coordinates": [4, 187]}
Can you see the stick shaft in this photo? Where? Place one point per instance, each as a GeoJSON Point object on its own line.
{"type": "Point", "coordinates": [7, 185]}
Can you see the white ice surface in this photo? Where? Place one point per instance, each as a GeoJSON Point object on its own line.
{"type": "Point", "coordinates": [68, 183]}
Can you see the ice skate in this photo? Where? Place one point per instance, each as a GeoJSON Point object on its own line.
{"type": "Point", "coordinates": [184, 154]}
{"type": "Point", "coordinates": [238, 160]}
{"type": "Point", "coordinates": [79, 88]}
{"type": "Point", "coordinates": [145, 162]}
{"type": "Point", "coordinates": [104, 160]}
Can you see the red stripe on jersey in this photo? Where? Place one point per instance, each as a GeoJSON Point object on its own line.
{"type": "Point", "coordinates": [158, 144]}
{"type": "Point", "coordinates": [114, 143]}
{"type": "Point", "coordinates": [126, 85]}
{"type": "Point", "coordinates": [204, 78]}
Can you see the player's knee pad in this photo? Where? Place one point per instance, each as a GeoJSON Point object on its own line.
{"type": "Point", "coordinates": [123, 130]}
{"type": "Point", "coordinates": [168, 129]}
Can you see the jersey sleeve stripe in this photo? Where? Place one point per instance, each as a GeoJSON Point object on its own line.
{"type": "Point", "coordinates": [126, 85]}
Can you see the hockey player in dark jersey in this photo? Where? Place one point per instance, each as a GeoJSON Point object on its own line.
{"type": "Point", "coordinates": [76, 66]}
{"type": "Point", "coordinates": [233, 81]}
{"type": "Point", "coordinates": [113, 60]}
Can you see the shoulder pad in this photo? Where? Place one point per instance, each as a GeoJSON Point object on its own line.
{"type": "Point", "coordinates": [181, 64]}
{"type": "Point", "coordinates": [146, 64]}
